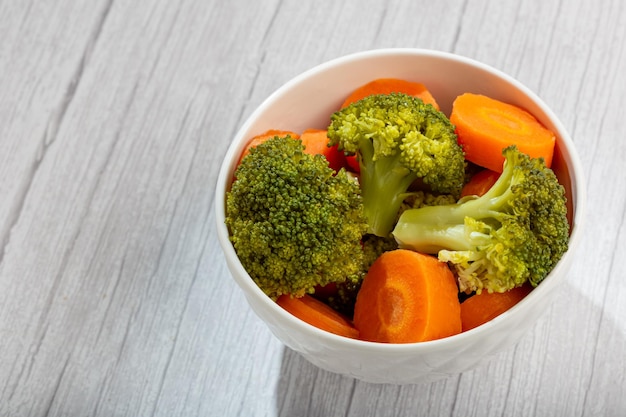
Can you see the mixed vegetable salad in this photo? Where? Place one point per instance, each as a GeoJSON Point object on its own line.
{"type": "Point", "coordinates": [398, 223]}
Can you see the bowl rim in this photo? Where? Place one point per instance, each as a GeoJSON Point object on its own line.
{"type": "Point", "coordinates": [570, 156]}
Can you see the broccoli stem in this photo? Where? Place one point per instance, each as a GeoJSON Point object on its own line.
{"type": "Point", "coordinates": [384, 183]}
{"type": "Point", "coordinates": [434, 228]}
{"type": "Point", "coordinates": [428, 238]}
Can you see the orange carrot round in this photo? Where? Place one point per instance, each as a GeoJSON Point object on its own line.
{"type": "Point", "coordinates": [407, 297]}
{"type": "Point", "coordinates": [480, 183]}
{"type": "Point", "coordinates": [352, 163]}
{"type": "Point", "coordinates": [486, 126]}
{"type": "Point", "coordinates": [391, 85]}
{"type": "Point", "coordinates": [315, 141]}
{"type": "Point", "coordinates": [318, 314]}
{"type": "Point", "coordinates": [258, 139]}
{"type": "Point", "coordinates": [480, 308]}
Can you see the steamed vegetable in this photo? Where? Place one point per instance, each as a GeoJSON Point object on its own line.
{"type": "Point", "coordinates": [515, 233]}
{"type": "Point", "coordinates": [397, 139]}
{"type": "Point", "coordinates": [480, 183]}
{"type": "Point", "coordinates": [318, 314]}
{"type": "Point", "coordinates": [315, 141]}
{"type": "Point", "coordinates": [483, 307]}
{"type": "Point", "coordinates": [294, 222]}
{"type": "Point", "coordinates": [486, 126]}
{"type": "Point", "coordinates": [407, 297]}
{"type": "Point", "coordinates": [391, 85]}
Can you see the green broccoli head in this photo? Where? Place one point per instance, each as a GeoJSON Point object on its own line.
{"type": "Point", "coordinates": [293, 223]}
{"type": "Point", "coordinates": [398, 139]}
{"type": "Point", "coordinates": [421, 198]}
{"type": "Point", "coordinates": [514, 233]}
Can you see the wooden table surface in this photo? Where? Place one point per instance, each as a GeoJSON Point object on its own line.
{"type": "Point", "coordinates": [114, 118]}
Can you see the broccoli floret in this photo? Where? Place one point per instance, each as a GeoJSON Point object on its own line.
{"type": "Point", "coordinates": [514, 233]}
{"type": "Point", "coordinates": [421, 198]}
{"type": "Point", "coordinates": [374, 246]}
{"type": "Point", "coordinates": [294, 222]}
{"type": "Point", "coordinates": [397, 139]}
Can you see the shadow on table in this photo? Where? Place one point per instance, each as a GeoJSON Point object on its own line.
{"type": "Point", "coordinates": [306, 390]}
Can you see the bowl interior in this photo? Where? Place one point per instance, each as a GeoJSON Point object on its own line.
{"type": "Point", "coordinates": [307, 101]}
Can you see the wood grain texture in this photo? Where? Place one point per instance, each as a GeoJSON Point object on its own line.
{"type": "Point", "coordinates": [114, 119]}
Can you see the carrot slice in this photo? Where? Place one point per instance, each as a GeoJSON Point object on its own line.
{"type": "Point", "coordinates": [407, 297]}
{"type": "Point", "coordinates": [318, 314]}
{"type": "Point", "coordinates": [353, 163]}
{"type": "Point", "coordinates": [486, 126]}
{"type": "Point", "coordinates": [480, 308]}
{"type": "Point", "coordinates": [258, 139]}
{"type": "Point", "coordinates": [391, 85]}
{"type": "Point", "coordinates": [315, 141]}
{"type": "Point", "coordinates": [480, 183]}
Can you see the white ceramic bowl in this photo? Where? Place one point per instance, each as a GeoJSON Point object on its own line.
{"type": "Point", "coordinates": [307, 101]}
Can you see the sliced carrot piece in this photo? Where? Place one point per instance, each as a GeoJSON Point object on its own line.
{"type": "Point", "coordinates": [391, 85]}
{"type": "Point", "coordinates": [407, 297]}
{"type": "Point", "coordinates": [352, 163]}
{"type": "Point", "coordinates": [483, 307]}
{"type": "Point", "coordinates": [318, 314]}
{"type": "Point", "coordinates": [480, 183]}
{"type": "Point", "coordinates": [486, 126]}
{"type": "Point", "coordinates": [315, 141]}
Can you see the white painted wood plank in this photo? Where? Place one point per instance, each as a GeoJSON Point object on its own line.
{"type": "Point", "coordinates": [114, 117]}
